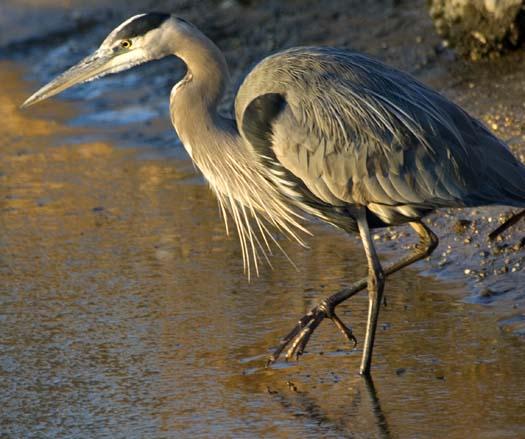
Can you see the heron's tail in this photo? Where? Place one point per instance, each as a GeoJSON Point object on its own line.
{"type": "Point", "coordinates": [509, 223]}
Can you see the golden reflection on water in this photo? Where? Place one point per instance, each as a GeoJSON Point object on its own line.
{"type": "Point", "coordinates": [124, 312]}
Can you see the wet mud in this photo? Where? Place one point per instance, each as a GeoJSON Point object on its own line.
{"type": "Point", "coordinates": [123, 305]}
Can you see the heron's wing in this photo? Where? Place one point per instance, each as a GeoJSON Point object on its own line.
{"type": "Point", "coordinates": [356, 131]}
{"type": "Point", "coordinates": [259, 122]}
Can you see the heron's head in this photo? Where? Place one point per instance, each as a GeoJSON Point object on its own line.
{"type": "Point", "coordinates": [140, 39]}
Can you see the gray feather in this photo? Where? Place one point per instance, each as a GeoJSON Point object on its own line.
{"type": "Point", "coordinates": [356, 131]}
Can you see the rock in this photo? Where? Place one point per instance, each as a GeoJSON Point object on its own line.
{"type": "Point", "coordinates": [519, 245]}
{"type": "Point", "coordinates": [461, 225]}
{"type": "Point", "coordinates": [485, 293]}
{"type": "Point", "coordinates": [400, 371]}
{"type": "Point", "coordinates": [477, 28]}
{"type": "Point", "coordinates": [513, 325]}
{"type": "Point", "coordinates": [488, 293]}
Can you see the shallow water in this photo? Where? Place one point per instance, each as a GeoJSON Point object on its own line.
{"type": "Point", "coordinates": [124, 311]}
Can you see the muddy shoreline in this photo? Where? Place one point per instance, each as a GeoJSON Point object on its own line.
{"type": "Point", "coordinates": [397, 32]}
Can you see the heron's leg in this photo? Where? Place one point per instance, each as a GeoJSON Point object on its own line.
{"type": "Point", "coordinates": [376, 283]}
{"type": "Point", "coordinates": [428, 241]}
{"type": "Point", "coordinates": [509, 223]}
{"type": "Point", "coordinates": [300, 334]}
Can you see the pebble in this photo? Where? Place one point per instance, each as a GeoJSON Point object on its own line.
{"type": "Point", "coordinates": [486, 292]}
{"type": "Point", "coordinates": [461, 225]}
{"type": "Point", "coordinates": [443, 262]}
{"type": "Point", "coordinates": [519, 245]}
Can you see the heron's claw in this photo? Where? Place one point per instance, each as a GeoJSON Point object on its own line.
{"type": "Point", "coordinates": [301, 340]}
{"type": "Point", "coordinates": [346, 331]}
{"type": "Point", "coordinates": [299, 336]}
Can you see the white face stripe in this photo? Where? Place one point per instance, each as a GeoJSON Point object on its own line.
{"type": "Point", "coordinates": [119, 28]}
{"type": "Point", "coordinates": [129, 20]}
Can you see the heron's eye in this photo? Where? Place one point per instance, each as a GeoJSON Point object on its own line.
{"type": "Point", "coordinates": [125, 44]}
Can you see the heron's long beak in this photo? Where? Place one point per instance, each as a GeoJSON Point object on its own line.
{"type": "Point", "coordinates": [89, 68]}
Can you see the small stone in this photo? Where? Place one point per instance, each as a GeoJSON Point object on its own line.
{"type": "Point", "coordinates": [291, 386]}
{"type": "Point", "coordinates": [462, 225]}
{"type": "Point", "coordinates": [270, 391]}
{"type": "Point", "coordinates": [519, 245]}
{"type": "Point", "coordinates": [479, 36]}
{"type": "Point", "coordinates": [442, 262]}
{"type": "Point", "coordinates": [486, 292]}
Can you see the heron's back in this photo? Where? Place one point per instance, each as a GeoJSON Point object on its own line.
{"type": "Point", "coordinates": [357, 131]}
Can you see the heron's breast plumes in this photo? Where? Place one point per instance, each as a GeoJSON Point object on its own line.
{"type": "Point", "coordinates": [246, 193]}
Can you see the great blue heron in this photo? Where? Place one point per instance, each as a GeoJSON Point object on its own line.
{"type": "Point", "coordinates": [319, 131]}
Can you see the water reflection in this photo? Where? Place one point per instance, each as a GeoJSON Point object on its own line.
{"type": "Point", "coordinates": [124, 312]}
{"type": "Point", "coordinates": [301, 404]}
{"type": "Point", "coordinates": [381, 421]}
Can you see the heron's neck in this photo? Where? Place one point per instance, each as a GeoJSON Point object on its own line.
{"type": "Point", "coordinates": [194, 100]}
{"type": "Point", "coordinates": [242, 184]}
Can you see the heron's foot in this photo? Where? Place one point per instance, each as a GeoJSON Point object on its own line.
{"type": "Point", "coordinates": [295, 342]}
